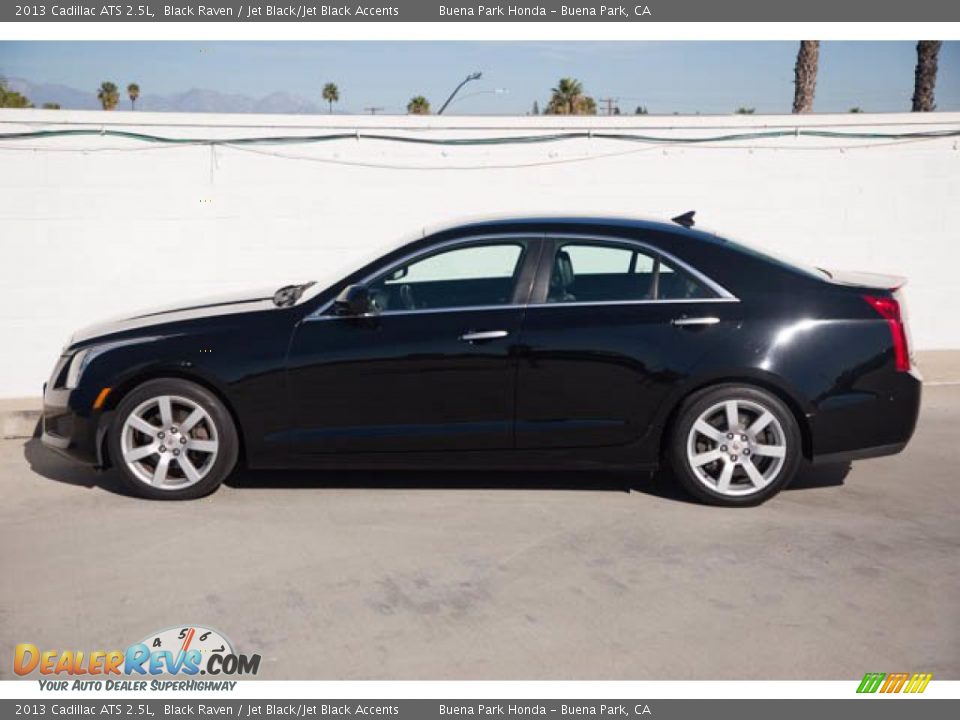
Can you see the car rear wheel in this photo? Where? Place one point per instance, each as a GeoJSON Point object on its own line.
{"type": "Point", "coordinates": [173, 439]}
{"type": "Point", "coordinates": [734, 445]}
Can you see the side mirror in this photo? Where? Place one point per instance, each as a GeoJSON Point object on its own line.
{"type": "Point", "coordinates": [353, 300]}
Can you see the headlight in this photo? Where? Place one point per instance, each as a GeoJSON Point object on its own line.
{"type": "Point", "coordinates": [77, 365]}
{"type": "Point", "coordinates": [82, 358]}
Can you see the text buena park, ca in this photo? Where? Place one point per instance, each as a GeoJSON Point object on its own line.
{"type": "Point", "coordinates": [611, 12]}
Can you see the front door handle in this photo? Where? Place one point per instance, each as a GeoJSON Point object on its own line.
{"type": "Point", "coordinates": [685, 321]}
{"type": "Point", "coordinates": [482, 335]}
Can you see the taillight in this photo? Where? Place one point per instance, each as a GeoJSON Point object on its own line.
{"type": "Point", "coordinates": [889, 309]}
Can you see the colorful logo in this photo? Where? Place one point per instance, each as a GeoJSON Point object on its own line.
{"type": "Point", "coordinates": [187, 650]}
{"type": "Point", "coordinates": [894, 682]}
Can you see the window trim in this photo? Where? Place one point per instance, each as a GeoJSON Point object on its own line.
{"type": "Point", "coordinates": [534, 272]}
{"type": "Point", "coordinates": [556, 240]}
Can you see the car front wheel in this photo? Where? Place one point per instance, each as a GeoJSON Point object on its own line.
{"type": "Point", "coordinates": [173, 439]}
{"type": "Point", "coordinates": [734, 445]}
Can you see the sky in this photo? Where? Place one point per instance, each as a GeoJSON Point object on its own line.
{"type": "Point", "coordinates": [665, 77]}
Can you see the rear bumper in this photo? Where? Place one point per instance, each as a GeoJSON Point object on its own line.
{"type": "Point", "coordinates": [866, 422]}
{"type": "Point", "coordinates": [860, 454]}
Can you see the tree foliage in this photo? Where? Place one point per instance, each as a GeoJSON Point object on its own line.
{"type": "Point", "coordinates": [418, 105]}
{"type": "Point", "coordinates": [133, 92]}
{"type": "Point", "coordinates": [11, 98]}
{"type": "Point", "coordinates": [108, 95]}
{"type": "Point", "coordinates": [567, 98]}
{"type": "Point", "coordinates": [331, 93]}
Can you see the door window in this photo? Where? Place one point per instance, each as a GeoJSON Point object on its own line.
{"type": "Point", "coordinates": [475, 275]}
{"type": "Point", "coordinates": [599, 272]}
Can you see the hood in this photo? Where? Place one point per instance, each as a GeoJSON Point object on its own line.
{"type": "Point", "coordinates": [228, 304]}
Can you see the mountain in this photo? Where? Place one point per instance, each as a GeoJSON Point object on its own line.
{"type": "Point", "coordinates": [194, 100]}
{"type": "Point", "coordinates": [66, 97]}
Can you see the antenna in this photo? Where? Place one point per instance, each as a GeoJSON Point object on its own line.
{"type": "Point", "coordinates": [686, 220]}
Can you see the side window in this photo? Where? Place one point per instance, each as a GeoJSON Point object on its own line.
{"type": "Point", "coordinates": [482, 274]}
{"type": "Point", "coordinates": [598, 272]}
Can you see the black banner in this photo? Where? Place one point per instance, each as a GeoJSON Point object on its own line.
{"type": "Point", "coordinates": [453, 11]}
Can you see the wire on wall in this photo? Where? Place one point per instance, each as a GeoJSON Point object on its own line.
{"type": "Point", "coordinates": [480, 141]}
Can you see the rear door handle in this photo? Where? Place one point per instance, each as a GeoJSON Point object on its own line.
{"type": "Point", "coordinates": [685, 321]}
{"type": "Point", "coordinates": [482, 335]}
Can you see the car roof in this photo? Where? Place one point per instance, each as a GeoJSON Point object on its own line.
{"type": "Point", "coordinates": [580, 221]}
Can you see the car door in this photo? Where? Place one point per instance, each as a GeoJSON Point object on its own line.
{"type": "Point", "coordinates": [429, 369]}
{"type": "Point", "coordinates": [611, 326]}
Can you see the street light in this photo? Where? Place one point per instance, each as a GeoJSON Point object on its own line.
{"type": "Point", "coordinates": [471, 76]}
{"type": "Point", "coordinates": [493, 91]}
{"type": "Point", "coordinates": [490, 91]}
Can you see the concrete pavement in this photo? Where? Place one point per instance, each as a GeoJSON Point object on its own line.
{"type": "Point", "coordinates": [502, 576]}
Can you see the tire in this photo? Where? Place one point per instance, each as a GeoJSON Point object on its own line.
{"type": "Point", "coordinates": [172, 439]}
{"type": "Point", "coordinates": [737, 466]}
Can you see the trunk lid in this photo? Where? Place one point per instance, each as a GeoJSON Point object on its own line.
{"type": "Point", "coordinates": [876, 281]}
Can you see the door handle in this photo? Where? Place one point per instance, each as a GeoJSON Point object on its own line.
{"type": "Point", "coordinates": [483, 335]}
{"type": "Point", "coordinates": [686, 321]}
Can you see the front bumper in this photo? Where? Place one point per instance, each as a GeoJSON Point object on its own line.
{"type": "Point", "coordinates": [71, 432]}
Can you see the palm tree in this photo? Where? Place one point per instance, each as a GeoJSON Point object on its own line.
{"type": "Point", "coordinates": [585, 106]}
{"type": "Point", "coordinates": [108, 95]}
{"type": "Point", "coordinates": [805, 76]}
{"type": "Point", "coordinates": [331, 94]}
{"type": "Point", "coordinates": [11, 98]}
{"type": "Point", "coordinates": [133, 91]}
{"type": "Point", "coordinates": [566, 97]}
{"type": "Point", "coordinates": [418, 105]}
{"type": "Point", "coordinates": [926, 75]}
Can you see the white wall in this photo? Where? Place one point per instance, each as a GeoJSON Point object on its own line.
{"type": "Point", "coordinates": [126, 225]}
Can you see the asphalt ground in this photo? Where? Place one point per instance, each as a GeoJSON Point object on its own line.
{"type": "Point", "coordinates": [502, 575]}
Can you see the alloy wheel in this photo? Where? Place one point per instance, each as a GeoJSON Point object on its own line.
{"type": "Point", "coordinates": [169, 442]}
{"type": "Point", "coordinates": [736, 447]}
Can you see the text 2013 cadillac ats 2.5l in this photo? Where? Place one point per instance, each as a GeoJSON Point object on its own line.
{"type": "Point", "coordinates": [567, 343]}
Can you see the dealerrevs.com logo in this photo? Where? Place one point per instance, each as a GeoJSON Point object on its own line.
{"type": "Point", "coordinates": [189, 650]}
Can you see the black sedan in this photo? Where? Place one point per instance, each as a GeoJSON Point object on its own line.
{"type": "Point", "coordinates": [574, 343]}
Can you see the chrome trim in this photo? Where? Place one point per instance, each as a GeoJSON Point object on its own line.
{"type": "Point", "coordinates": [678, 301]}
{"type": "Point", "coordinates": [725, 295]}
{"type": "Point", "coordinates": [388, 313]}
{"type": "Point", "coordinates": [673, 259]}
{"type": "Point", "coordinates": [484, 335]}
{"type": "Point", "coordinates": [684, 321]}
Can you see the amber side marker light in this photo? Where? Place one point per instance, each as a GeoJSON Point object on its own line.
{"type": "Point", "coordinates": [101, 398]}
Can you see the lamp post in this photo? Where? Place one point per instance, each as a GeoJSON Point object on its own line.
{"type": "Point", "coordinates": [471, 76]}
{"type": "Point", "coordinates": [493, 91]}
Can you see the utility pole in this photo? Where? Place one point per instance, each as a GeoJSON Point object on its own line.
{"type": "Point", "coordinates": [610, 102]}
{"type": "Point", "coordinates": [373, 110]}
